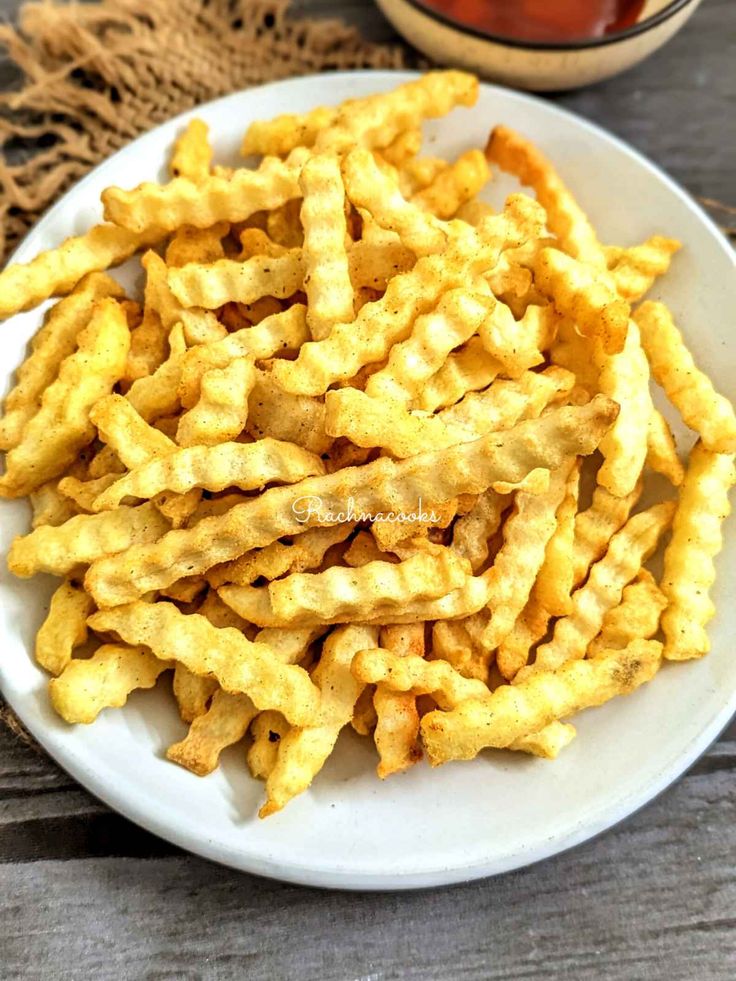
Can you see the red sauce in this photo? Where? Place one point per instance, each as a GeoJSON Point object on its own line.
{"type": "Point", "coordinates": [552, 21]}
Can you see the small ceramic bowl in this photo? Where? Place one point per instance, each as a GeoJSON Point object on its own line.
{"type": "Point", "coordinates": [537, 65]}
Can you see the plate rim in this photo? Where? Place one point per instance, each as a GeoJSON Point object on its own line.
{"type": "Point", "coordinates": [608, 815]}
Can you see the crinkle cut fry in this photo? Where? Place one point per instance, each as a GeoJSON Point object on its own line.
{"type": "Point", "coordinates": [326, 269]}
{"type": "Point", "coordinates": [516, 710]}
{"type": "Point", "coordinates": [25, 285]}
{"type": "Point", "coordinates": [585, 296]}
{"type": "Point", "coordinates": [86, 686]}
{"type": "Point", "coordinates": [434, 335]}
{"type": "Point", "coordinates": [232, 281]}
{"type": "Point", "coordinates": [272, 336]}
{"type": "Point", "coordinates": [64, 628]}
{"type": "Point", "coordinates": [396, 734]}
{"type": "Point", "coordinates": [224, 723]}
{"type": "Point", "coordinates": [54, 342]}
{"type": "Point", "coordinates": [454, 185]}
{"type": "Point", "coordinates": [62, 427]}
{"type": "Point", "coordinates": [192, 156]}
{"type": "Point", "coordinates": [636, 616]}
{"type": "Point", "coordinates": [214, 468]}
{"type": "Point", "coordinates": [136, 443]}
{"type": "Point", "coordinates": [377, 120]}
{"type": "Point", "coordinates": [691, 391]}
{"type": "Point", "coordinates": [182, 202]}
{"type": "Point", "coordinates": [595, 526]}
{"type": "Point", "coordinates": [353, 594]}
{"type": "Point", "coordinates": [627, 551]}
{"type": "Point", "coordinates": [279, 136]}
{"type": "Point", "coordinates": [565, 218]}
{"type": "Point", "coordinates": [221, 412]}
{"type": "Point", "coordinates": [469, 468]}
{"type": "Point", "coordinates": [84, 538]}
{"type": "Point", "coordinates": [414, 676]}
{"type": "Point", "coordinates": [635, 269]}
{"type": "Point", "coordinates": [239, 665]}
{"type": "Point", "coordinates": [468, 369]}
{"type": "Point", "coordinates": [514, 571]}
{"type": "Point", "coordinates": [380, 325]}
{"type": "Point", "coordinates": [303, 751]}
{"type": "Point", "coordinates": [662, 456]}
{"type": "Point", "coordinates": [697, 538]}
{"type": "Point", "coordinates": [624, 377]}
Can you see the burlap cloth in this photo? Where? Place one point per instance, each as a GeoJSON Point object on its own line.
{"type": "Point", "coordinates": [95, 76]}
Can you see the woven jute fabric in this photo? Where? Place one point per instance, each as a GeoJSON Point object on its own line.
{"type": "Point", "coordinates": [95, 76]}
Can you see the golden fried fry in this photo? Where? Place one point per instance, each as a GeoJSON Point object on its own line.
{"type": "Point", "coordinates": [636, 616]}
{"type": "Point", "coordinates": [64, 628]}
{"type": "Point", "coordinates": [397, 719]}
{"type": "Point", "coordinates": [526, 534]}
{"type": "Point", "coordinates": [565, 218]}
{"type": "Point", "coordinates": [690, 391]}
{"type": "Point", "coordinates": [555, 583]}
{"type": "Point", "coordinates": [213, 199]}
{"type": "Point", "coordinates": [382, 485]}
{"type": "Point", "coordinates": [192, 156]}
{"type": "Point", "coordinates": [223, 653]}
{"type": "Point", "coordinates": [105, 680]}
{"type": "Point", "coordinates": [83, 539]}
{"type": "Point", "coordinates": [595, 526]}
{"type": "Point", "coordinates": [342, 594]}
{"type": "Point", "coordinates": [505, 402]}
{"type": "Point", "coordinates": [224, 723]}
{"type": "Point", "coordinates": [278, 136]}
{"type": "Point", "coordinates": [411, 363]}
{"type": "Point", "coordinates": [303, 751]}
{"type": "Point", "coordinates": [192, 692]}
{"type": "Point", "coordinates": [548, 742]}
{"type": "Point", "coordinates": [472, 532]}
{"type": "Point", "coordinates": [228, 280]}
{"type": "Point", "coordinates": [213, 468]}
{"type": "Point", "coordinates": [276, 334]}
{"type": "Point", "coordinates": [624, 377]}
{"type": "Point", "coordinates": [584, 295]}
{"type": "Point", "coordinates": [454, 185]}
{"type": "Point", "coordinates": [518, 710]}
{"type": "Point", "coordinates": [24, 285]}
{"type": "Point", "coordinates": [52, 438]}
{"type": "Point", "coordinates": [662, 453]}
{"type": "Point", "coordinates": [628, 549]}
{"type": "Point", "coordinates": [697, 538]}
{"type": "Point", "coordinates": [222, 409]}
{"type": "Point", "coordinates": [267, 730]}
{"type": "Point", "coordinates": [377, 120]}
{"type": "Point", "coordinates": [411, 673]}
{"type": "Point", "coordinates": [326, 271]}
{"type": "Point", "coordinates": [530, 627]}
{"type": "Point", "coordinates": [468, 369]}
{"type": "Point", "coordinates": [53, 343]}
{"type": "Point", "coordinates": [277, 559]}
{"type": "Point", "coordinates": [635, 269]}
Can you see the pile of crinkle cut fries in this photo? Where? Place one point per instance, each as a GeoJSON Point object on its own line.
{"type": "Point", "coordinates": [327, 470]}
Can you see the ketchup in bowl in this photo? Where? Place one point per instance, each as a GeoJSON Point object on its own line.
{"type": "Point", "coordinates": [551, 21]}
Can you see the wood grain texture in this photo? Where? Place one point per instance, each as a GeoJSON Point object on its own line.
{"type": "Point", "coordinates": [85, 894]}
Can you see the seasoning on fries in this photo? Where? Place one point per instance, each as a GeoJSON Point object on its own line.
{"type": "Point", "coordinates": [329, 469]}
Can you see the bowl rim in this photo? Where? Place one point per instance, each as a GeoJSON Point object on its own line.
{"type": "Point", "coordinates": [641, 27]}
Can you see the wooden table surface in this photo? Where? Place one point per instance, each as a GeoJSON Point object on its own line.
{"type": "Point", "coordinates": [85, 894]}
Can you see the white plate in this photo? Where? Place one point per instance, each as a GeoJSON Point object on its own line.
{"type": "Point", "coordinates": [464, 820]}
